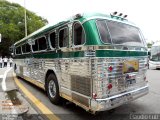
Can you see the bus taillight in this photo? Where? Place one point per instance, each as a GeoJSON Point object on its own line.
{"type": "Point", "coordinates": [109, 86]}
{"type": "Point", "coordinates": [94, 95]}
{"type": "Point", "coordinates": [110, 68]}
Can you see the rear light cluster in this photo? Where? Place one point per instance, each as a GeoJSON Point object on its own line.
{"type": "Point", "coordinates": [108, 76]}
{"type": "Point", "coordinates": [94, 95]}
{"type": "Point", "coordinates": [110, 68]}
{"type": "Point", "coordinates": [100, 75]}
{"type": "Point", "coordinates": [109, 86]}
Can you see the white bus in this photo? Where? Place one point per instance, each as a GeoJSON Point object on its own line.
{"type": "Point", "coordinates": [154, 62]}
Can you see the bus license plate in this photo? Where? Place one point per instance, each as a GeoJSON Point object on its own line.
{"type": "Point", "coordinates": [130, 66]}
{"type": "Point", "coordinates": [130, 81]}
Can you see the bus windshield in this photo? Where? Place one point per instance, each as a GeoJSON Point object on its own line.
{"type": "Point", "coordinates": [119, 33]}
{"type": "Point", "coordinates": [155, 53]}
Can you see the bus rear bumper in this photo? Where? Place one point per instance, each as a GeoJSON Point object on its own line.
{"type": "Point", "coordinates": [117, 100]}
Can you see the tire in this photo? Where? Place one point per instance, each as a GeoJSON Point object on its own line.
{"type": "Point", "coordinates": [52, 89]}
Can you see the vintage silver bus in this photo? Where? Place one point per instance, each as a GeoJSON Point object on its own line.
{"type": "Point", "coordinates": [96, 61]}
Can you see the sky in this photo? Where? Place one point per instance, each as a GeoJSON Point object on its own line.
{"type": "Point", "coordinates": [144, 13]}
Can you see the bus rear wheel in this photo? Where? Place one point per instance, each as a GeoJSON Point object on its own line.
{"type": "Point", "coordinates": [53, 89]}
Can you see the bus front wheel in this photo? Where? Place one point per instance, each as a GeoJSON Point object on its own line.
{"type": "Point", "coordinates": [53, 89]}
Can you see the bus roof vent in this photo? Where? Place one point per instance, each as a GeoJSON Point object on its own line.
{"type": "Point", "coordinates": [125, 16]}
{"type": "Point", "coordinates": [114, 14]}
{"type": "Point", "coordinates": [77, 16]}
{"type": "Point", "coordinates": [118, 16]}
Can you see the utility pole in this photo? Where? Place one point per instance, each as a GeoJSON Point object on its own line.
{"type": "Point", "coordinates": [25, 18]}
{"type": "Point", "coordinates": [0, 37]}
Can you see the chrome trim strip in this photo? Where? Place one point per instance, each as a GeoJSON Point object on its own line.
{"type": "Point", "coordinates": [130, 92]}
{"type": "Point", "coordinates": [76, 92]}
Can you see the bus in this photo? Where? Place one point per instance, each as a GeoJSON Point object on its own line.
{"type": "Point", "coordinates": [95, 60]}
{"type": "Point", "coordinates": [154, 62]}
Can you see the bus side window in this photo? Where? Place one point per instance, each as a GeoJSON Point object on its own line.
{"type": "Point", "coordinates": [63, 37]}
{"type": "Point", "coordinates": [28, 48]}
{"type": "Point", "coordinates": [53, 39]}
{"type": "Point", "coordinates": [42, 43]}
{"type": "Point", "coordinates": [78, 34]}
{"type": "Point", "coordinates": [18, 50]}
{"type": "Point", "coordinates": [35, 45]}
{"type": "Point", "coordinates": [24, 48]}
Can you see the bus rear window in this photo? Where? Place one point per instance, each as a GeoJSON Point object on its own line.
{"type": "Point", "coordinates": [103, 31]}
{"type": "Point", "coordinates": [120, 33]}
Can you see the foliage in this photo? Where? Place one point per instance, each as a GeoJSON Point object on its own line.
{"type": "Point", "coordinates": [149, 45]}
{"type": "Point", "coordinates": [12, 25]}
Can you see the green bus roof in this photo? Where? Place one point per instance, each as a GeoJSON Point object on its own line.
{"type": "Point", "coordinates": [80, 17]}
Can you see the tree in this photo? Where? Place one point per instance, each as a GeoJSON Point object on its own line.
{"type": "Point", "coordinates": [149, 45]}
{"type": "Point", "coordinates": [12, 25]}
